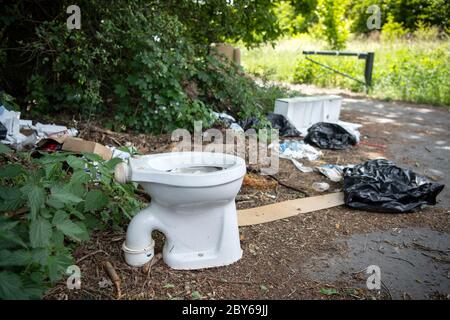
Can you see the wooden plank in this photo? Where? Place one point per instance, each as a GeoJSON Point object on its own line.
{"type": "Point", "coordinates": [286, 209]}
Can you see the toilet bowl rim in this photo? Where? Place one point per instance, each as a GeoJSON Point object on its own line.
{"type": "Point", "coordinates": [235, 171]}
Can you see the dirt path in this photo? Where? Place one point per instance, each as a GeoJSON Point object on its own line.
{"type": "Point", "coordinates": [318, 255]}
{"type": "Point", "coordinates": [417, 136]}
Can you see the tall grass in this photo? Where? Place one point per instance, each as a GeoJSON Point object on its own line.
{"type": "Point", "coordinates": [415, 70]}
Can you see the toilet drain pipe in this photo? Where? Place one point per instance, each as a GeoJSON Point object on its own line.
{"type": "Point", "coordinates": [122, 173]}
{"type": "Point", "coordinates": [139, 245]}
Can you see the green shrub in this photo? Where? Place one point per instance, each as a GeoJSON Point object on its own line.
{"type": "Point", "coordinates": [332, 23]}
{"type": "Point", "coordinates": [47, 206]}
{"type": "Point", "coordinates": [418, 73]}
{"type": "Point", "coordinates": [406, 12]}
{"type": "Point", "coordinates": [392, 30]}
{"type": "Point", "coordinates": [133, 64]}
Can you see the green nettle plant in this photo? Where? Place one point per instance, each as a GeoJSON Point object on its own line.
{"type": "Point", "coordinates": [47, 206]}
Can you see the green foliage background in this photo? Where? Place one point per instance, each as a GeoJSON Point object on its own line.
{"type": "Point", "coordinates": [48, 205]}
{"type": "Point", "coordinates": [145, 65]}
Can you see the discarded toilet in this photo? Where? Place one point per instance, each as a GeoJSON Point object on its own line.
{"type": "Point", "coordinates": [193, 204]}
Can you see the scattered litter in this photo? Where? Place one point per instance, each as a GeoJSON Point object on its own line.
{"type": "Point", "coordinates": [236, 128]}
{"type": "Point", "coordinates": [303, 112]}
{"type": "Point", "coordinates": [124, 155]}
{"type": "Point", "coordinates": [352, 128]}
{"type": "Point", "coordinates": [320, 186]}
{"type": "Point", "coordinates": [285, 128]}
{"type": "Point", "coordinates": [2, 131]}
{"type": "Point", "coordinates": [298, 149]}
{"type": "Point", "coordinates": [278, 121]}
{"type": "Point", "coordinates": [379, 185]}
{"type": "Point", "coordinates": [249, 123]}
{"type": "Point", "coordinates": [104, 283]}
{"type": "Point", "coordinates": [49, 129]}
{"type": "Point", "coordinates": [224, 118]}
{"type": "Point", "coordinates": [332, 171]}
{"type": "Point", "coordinates": [290, 208]}
{"type": "Point", "coordinates": [16, 127]}
{"type": "Point", "coordinates": [331, 136]}
{"type": "Point", "coordinates": [79, 145]}
{"type": "Point", "coordinates": [49, 145]}
{"type": "Point", "coordinates": [301, 167]}
{"type": "Point", "coordinates": [258, 182]}
{"type": "Point", "coordinates": [228, 121]}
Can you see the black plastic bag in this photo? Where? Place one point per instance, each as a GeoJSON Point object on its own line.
{"type": "Point", "coordinates": [248, 123]}
{"type": "Point", "coordinates": [285, 128]}
{"type": "Point", "coordinates": [278, 121]}
{"type": "Point", "coordinates": [329, 136]}
{"type": "Point", "coordinates": [3, 131]}
{"type": "Point", "coordinates": [379, 185]}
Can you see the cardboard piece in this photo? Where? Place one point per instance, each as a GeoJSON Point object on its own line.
{"type": "Point", "coordinates": [80, 145]}
{"type": "Point", "coordinates": [231, 53]}
{"type": "Point", "coordinates": [290, 208]}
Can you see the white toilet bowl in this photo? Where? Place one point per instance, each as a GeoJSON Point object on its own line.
{"type": "Point", "coordinates": [193, 204]}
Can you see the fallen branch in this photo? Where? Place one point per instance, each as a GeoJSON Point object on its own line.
{"type": "Point", "coordinates": [402, 260]}
{"type": "Point", "coordinates": [443, 260]}
{"type": "Point", "coordinates": [91, 254]}
{"type": "Point", "coordinates": [114, 277]}
{"type": "Point", "coordinates": [425, 248]}
{"type": "Point", "coordinates": [289, 186]}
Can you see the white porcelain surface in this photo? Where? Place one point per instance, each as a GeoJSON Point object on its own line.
{"type": "Point", "coordinates": [303, 112]}
{"type": "Point", "coordinates": [193, 204]}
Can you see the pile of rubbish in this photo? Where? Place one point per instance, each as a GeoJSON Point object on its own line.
{"type": "Point", "coordinates": [375, 185]}
{"type": "Point", "coordinates": [23, 135]}
{"type": "Point", "coordinates": [380, 185]}
{"type": "Point", "coordinates": [331, 136]}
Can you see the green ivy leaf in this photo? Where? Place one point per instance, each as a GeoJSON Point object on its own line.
{"type": "Point", "coordinates": [111, 164]}
{"type": "Point", "coordinates": [11, 286]}
{"type": "Point", "coordinates": [93, 157]}
{"type": "Point", "coordinates": [4, 149]}
{"type": "Point", "coordinates": [62, 222]}
{"type": "Point", "coordinates": [40, 232]}
{"type": "Point", "coordinates": [52, 169]}
{"type": "Point", "coordinates": [10, 170]}
{"type": "Point", "coordinates": [79, 177]}
{"type": "Point", "coordinates": [57, 266]}
{"type": "Point", "coordinates": [8, 236]}
{"type": "Point", "coordinates": [12, 199]}
{"type": "Point", "coordinates": [14, 258]}
{"type": "Point", "coordinates": [95, 200]}
{"type": "Point", "coordinates": [60, 194]}
{"type": "Point", "coordinates": [36, 197]}
{"type": "Point", "coordinates": [75, 162]}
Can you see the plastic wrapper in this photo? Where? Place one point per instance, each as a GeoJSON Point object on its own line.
{"type": "Point", "coordinates": [380, 185]}
{"type": "Point", "coordinates": [330, 136]}
{"type": "Point", "coordinates": [278, 121]}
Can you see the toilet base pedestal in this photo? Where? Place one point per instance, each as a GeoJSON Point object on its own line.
{"type": "Point", "coordinates": [197, 236]}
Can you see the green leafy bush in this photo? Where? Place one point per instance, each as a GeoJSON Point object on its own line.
{"type": "Point", "coordinates": [418, 73]}
{"type": "Point", "coordinates": [143, 66]}
{"type": "Point", "coordinates": [332, 23]}
{"type": "Point", "coordinates": [47, 206]}
{"type": "Point", "coordinates": [406, 12]}
{"type": "Point", "coordinates": [392, 30]}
